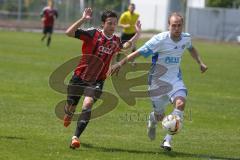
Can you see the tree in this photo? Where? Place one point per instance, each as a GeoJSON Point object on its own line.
{"type": "Point", "coordinates": [223, 3]}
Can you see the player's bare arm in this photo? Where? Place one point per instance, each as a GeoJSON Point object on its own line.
{"type": "Point", "coordinates": [116, 67]}
{"type": "Point", "coordinates": [124, 25]}
{"type": "Point", "coordinates": [196, 56]}
{"type": "Point", "coordinates": [133, 40]}
{"type": "Point", "coordinates": [87, 15]}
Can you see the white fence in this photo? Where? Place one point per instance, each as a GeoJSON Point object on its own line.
{"type": "Point", "coordinates": [213, 23]}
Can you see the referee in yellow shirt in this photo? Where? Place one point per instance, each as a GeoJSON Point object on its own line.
{"type": "Point", "coordinates": [127, 21]}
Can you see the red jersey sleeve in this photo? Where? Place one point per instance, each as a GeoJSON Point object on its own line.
{"type": "Point", "coordinates": [85, 35]}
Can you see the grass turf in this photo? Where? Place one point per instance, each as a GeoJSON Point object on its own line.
{"type": "Point", "coordinates": [29, 128]}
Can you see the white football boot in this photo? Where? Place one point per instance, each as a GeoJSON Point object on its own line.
{"type": "Point", "coordinates": [166, 145]}
{"type": "Point", "coordinates": [151, 126]}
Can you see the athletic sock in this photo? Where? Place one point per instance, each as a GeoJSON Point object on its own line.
{"type": "Point", "coordinates": [178, 113]}
{"type": "Point", "coordinates": [48, 41]}
{"type": "Point", "coordinates": [168, 138]}
{"type": "Point", "coordinates": [82, 121]}
{"type": "Point", "coordinates": [42, 39]}
{"type": "Point", "coordinates": [153, 118]}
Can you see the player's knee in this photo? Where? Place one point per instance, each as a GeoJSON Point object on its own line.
{"type": "Point", "coordinates": [159, 116]}
{"type": "Point", "coordinates": [87, 103]}
{"type": "Point", "coordinates": [180, 103]}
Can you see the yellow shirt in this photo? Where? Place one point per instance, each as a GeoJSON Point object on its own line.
{"type": "Point", "coordinates": [128, 18]}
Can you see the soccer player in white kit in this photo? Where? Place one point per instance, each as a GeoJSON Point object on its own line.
{"type": "Point", "coordinates": [166, 49]}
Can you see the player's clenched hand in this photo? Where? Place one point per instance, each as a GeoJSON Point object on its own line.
{"type": "Point", "coordinates": [138, 26]}
{"type": "Point", "coordinates": [115, 69]}
{"type": "Point", "coordinates": [203, 67]}
{"type": "Point", "coordinates": [87, 14]}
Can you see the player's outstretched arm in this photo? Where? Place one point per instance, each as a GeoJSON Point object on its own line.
{"type": "Point", "coordinates": [87, 15]}
{"type": "Point", "coordinates": [134, 39]}
{"type": "Point", "coordinates": [195, 55]}
{"type": "Point", "coordinates": [116, 67]}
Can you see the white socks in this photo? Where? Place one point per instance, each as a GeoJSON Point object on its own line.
{"type": "Point", "coordinates": [168, 138]}
{"type": "Point", "coordinates": [178, 113]}
{"type": "Point", "coordinates": [152, 118]}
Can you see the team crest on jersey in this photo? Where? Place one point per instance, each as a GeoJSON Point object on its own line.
{"type": "Point", "coordinates": [108, 48]}
{"type": "Point", "coordinates": [104, 50]}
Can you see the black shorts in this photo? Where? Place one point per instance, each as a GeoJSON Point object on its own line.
{"type": "Point", "coordinates": [48, 29]}
{"type": "Point", "coordinates": [126, 37]}
{"type": "Point", "coordinates": [77, 87]}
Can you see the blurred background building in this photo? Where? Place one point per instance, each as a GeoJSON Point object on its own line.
{"type": "Point", "coordinates": [155, 13]}
{"type": "Point", "coordinates": [207, 19]}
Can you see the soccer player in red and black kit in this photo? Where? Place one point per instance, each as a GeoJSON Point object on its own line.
{"type": "Point", "coordinates": [48, 15]}
{"type": "Point", "coordinates": [98, 49]}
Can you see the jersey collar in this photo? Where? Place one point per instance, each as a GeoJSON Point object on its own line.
{"type": "Point", "coordinates": [106, 35]}
{"type": "Point", "coordinates": [169, 35]}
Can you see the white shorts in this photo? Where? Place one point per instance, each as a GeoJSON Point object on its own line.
{"type": "Point", "coordinates": [160, 103]}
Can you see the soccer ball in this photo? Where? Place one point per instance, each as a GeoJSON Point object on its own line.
{"type": "Point", "coordinates": [172, 124]}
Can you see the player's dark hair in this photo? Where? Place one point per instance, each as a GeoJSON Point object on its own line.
{"type": "Point", "coordinates": [175, 14]}
{"type": "Point", "coordinates": [108, 13]}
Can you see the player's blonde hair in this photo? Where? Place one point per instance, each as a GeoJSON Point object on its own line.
{"type": "Point", "coordinates": [50, 2]}
{"type": "Point", "coordinates": [177, 14]}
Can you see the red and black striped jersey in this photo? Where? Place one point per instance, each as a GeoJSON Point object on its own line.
{"type": "Point", "coordinates": [49, 15]}
{"type": "Point", "coordinates": [97, 53]}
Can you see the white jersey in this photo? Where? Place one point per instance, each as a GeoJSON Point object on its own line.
{"type": "Point", "coordinates": [168, 54]}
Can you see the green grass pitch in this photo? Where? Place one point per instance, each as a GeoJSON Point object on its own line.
{"type": "Point", "coordinates": [30, 130]}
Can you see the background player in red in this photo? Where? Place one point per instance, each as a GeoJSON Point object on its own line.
{"type": "Point", "coordinates": [98, 49]}
{"type": "Point", "coordinates": [48, 15]}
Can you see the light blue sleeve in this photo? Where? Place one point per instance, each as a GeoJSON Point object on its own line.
{"type": "Point", "coordinates": [150, 47]}
{"type": "Point", "coordinates": [189, 43]}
